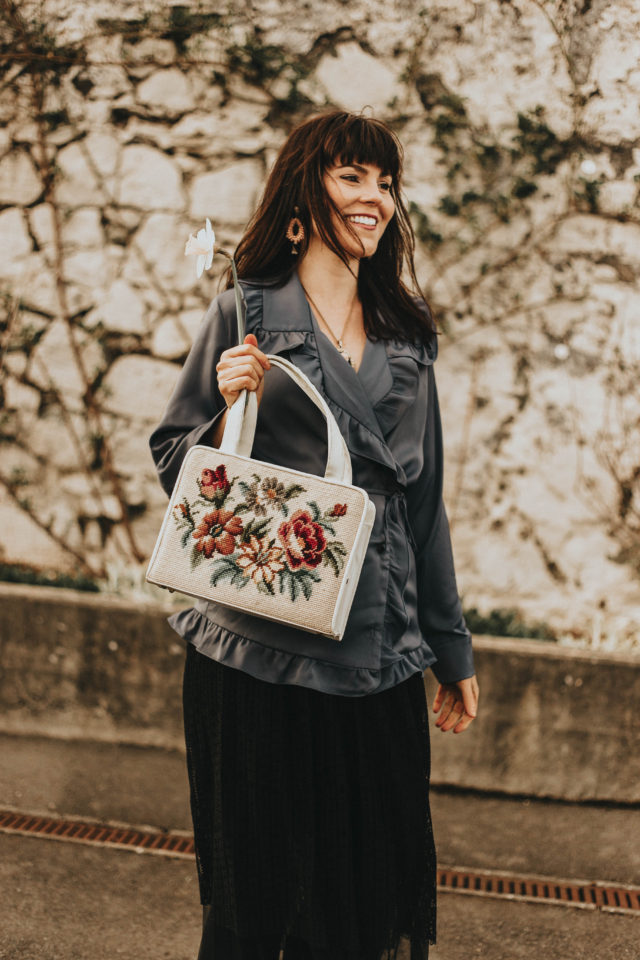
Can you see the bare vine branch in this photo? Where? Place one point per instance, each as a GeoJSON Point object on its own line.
{"type": "Point", "coordinates": [47, 174]}
{"type": "Point", "coordinates": [10, 487]}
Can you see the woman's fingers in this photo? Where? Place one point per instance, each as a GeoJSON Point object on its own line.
{"type": "Point", "coordinates": [247, 349]}
{"type": "Point", "coordinates": [240, 360]}
{"type": "Point", "coordinates": [241, 368]}
{"type": "Point", "coordinates": [244, 371]}
{"type": "Point", "coordinates": [470, 693]}
{"type": "Point", "coordinates": [463, 723]}
{"type": "Point", "coordinates": [439, 697]}
{"type": "Point", "coordinates": [237, 378]}
{"type": "Point", "coordinates": [252, 341]}
{"type": "Point", "coordinates": [456, 704]}
{"type": "Point", "coordinates": [450, 713]}
{"type": "Point", "coordinates": [455, 716]}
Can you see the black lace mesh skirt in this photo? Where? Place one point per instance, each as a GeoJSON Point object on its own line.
{"type": "Point", "coordinates": [311, 816]}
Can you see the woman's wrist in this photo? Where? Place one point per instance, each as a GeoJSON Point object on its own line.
{"type": "Point", "coordinates": [215, 439]}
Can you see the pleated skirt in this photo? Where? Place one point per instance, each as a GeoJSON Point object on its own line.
{"type": "Point", "coordinates": [311, 818]}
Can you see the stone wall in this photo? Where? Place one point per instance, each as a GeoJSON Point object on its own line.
{"type": "Point", "coordinates": [124, 124]}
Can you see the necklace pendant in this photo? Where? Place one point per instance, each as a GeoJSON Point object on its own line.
{"type": "Point", "coordinates": [343, 353]}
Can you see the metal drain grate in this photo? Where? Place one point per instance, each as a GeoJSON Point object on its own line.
{"type": "Point", "coordinates": [99, 834]}
{"type": "Point", "coordinates": [590, 895]}
{"type": "Point", "coordinates": [611, 898]}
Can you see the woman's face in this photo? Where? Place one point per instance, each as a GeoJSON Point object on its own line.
{"type": "Point", "coordinates": [362, 195]}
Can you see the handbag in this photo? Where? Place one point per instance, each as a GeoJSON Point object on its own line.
{"type": "Point", "coordinates": [268, 540]}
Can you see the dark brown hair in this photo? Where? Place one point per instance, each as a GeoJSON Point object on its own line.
{"type": "Point", "coordinates": [390, 308]}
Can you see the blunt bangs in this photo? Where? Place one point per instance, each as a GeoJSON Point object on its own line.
{"type": "Point", "coordinates": [356, 139]}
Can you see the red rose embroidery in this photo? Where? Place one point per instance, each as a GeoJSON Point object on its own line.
{"type": "Point", "coordinates": [214, 482]}
{"type": "Point", "coordinates": [339, 510]}
{"type": "Point", "coordinates": [303, 540]}
{"type": "Point", "coordinates": [217, 531]}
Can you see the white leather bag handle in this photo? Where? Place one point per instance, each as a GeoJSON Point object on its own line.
{"type": "Point", "coordinates": [242, 417]}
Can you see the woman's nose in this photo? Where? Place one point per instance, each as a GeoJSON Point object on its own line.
{"type": "Point", "coordinates": [371, 193]}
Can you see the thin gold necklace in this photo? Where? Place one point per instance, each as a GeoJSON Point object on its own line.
{"type": "Point", "coordinates": [338, 340]}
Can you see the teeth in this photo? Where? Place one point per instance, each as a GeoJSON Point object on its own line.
{"type": "Point", "coordinates": [367, 221]}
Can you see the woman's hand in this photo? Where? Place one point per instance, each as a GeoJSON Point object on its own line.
{"type": "Point", "coordinates": [457, 704]}
{"type": "Point", "coordinates": [242, 368]}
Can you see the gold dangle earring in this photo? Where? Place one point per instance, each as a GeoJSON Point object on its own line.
{"type": "Point", "coordinates": [295, 231]}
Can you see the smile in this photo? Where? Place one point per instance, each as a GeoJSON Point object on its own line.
{"type": "Point", "coordinates": [364, 221]}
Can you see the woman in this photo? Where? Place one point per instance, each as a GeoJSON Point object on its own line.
{"type": "Point", "coordinates": [309, 759]}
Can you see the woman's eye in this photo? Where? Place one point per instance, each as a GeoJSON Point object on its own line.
{"type": "Point", "coordinates": [384, 185]}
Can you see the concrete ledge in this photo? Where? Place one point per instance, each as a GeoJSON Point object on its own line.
{"type": "Point", "coordinates": [87, 665]}
{"type": "Point", "coordinates": [553, 722]}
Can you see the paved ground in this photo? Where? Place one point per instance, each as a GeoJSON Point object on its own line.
{"type": "Point", "coordinates": [64, 901]}
{"type": "Point", "coordinates": [70, 902]}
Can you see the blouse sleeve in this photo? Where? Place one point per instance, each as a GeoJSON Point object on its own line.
{"type": "Point", "coordinates": [439, 608]}
{"type": "Point", "coordinates": [196, 404]}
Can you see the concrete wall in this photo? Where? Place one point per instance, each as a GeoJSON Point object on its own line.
{"type": "Point", "coordinates": [553, 722]}
{"type": "Point", "coordinates": [521, 128]}
{"type": "Point", "coordinates": [82, 665]}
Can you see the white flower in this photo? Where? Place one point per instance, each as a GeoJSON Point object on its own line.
{"type": "Point", "coordinates": [201, 246]}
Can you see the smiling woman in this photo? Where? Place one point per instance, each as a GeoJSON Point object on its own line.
{"type": "Point", "coordinates": [308, 758]}
{"type": "Point", "coordinates": [363, 201]}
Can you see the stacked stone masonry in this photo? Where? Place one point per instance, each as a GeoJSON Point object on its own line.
{"type": "Point", "coordinates": [124, 125]}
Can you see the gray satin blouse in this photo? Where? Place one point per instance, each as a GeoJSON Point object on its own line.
{"type": "Point", "coordinates": [406, 614]}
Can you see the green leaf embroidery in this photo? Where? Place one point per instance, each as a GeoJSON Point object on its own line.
{"type": "Point", "coordinates": [306, 582]}
{"type": "Point", "coordinates": [326, 525]}
{"type": "Point", "coordinates": [265, 588]}
{"type": "Point", "coordinates": [227, 568]}
{"type": "Point", "coordinates": [255, 528]}
{"type": "Point", "coordinates": [338, 547]}
{"type": "Point", "coordinates": [300, 582]}
{"type": "Point", "coordinates": [330, 559]}
{"type": "Point", "coordinates": [315, 510]}
{"type": "Point", "coordinates": [186, 536]}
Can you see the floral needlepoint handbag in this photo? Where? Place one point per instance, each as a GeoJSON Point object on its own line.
{"type": "Point", "coordinates": [268, 540]}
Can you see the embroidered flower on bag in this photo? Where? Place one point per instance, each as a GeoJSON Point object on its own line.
{"type": "Point", "coordinates": [268, 493]}
{"type": "Point", "coordinates": [254, 500]}
{"type": "Point", "coordinates": [213, 483]}
{"type": "Point", "coordinates": [217, 532]}
{"type": "Point", "coordinates": [273, 490]}
{"type": "Point", "coordinates": [339, 510]}
{"type": "Point", "coordinates": [260, 561]}
{"type": "Point", "coordinates": [303, 540]}
{"type": "Point", "coordinates": [201, 246]}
